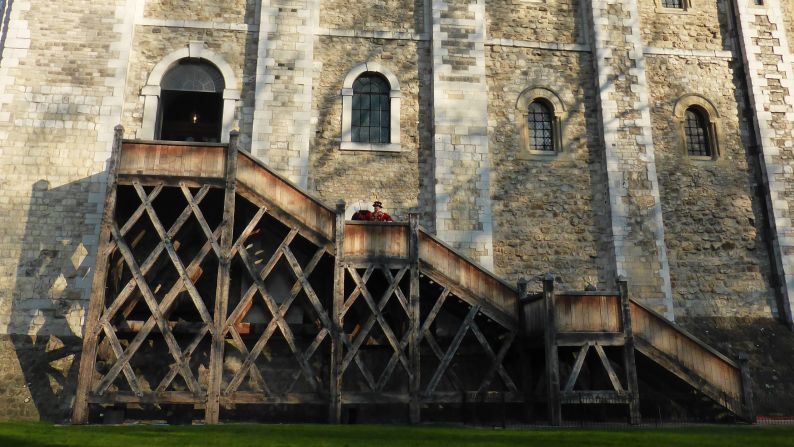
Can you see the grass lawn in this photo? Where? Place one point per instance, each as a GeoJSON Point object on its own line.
{"type": "Point", "coordinates": [39, 435]}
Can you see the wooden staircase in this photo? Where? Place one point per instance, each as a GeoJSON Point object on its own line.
{"type": "Point", "coordinates": [365, 312]}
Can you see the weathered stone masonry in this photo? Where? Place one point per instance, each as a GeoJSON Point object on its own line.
{"type": "Point", "coordinates": [637, 229]}
{"type": "Point", "coordinates": [770, 77]}
{"type": "Point", "coordinates": [460, 116]}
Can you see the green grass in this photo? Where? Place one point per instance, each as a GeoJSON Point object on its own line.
{"type": "Point", "coordinates": [39, 435]}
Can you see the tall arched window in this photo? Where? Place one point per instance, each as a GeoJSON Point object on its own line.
{"type": "Point", "coordinates": [540, 130]}
{"type": "Point", "coordinates": [371, 118]}
{"type": "Point", "coordinates": [370, 109]}
{"type": "Point", "coordinates": [191, 105]}
{"type": "Point", "coordinates": [696, 132]}
{"type": "Point", "coordinates": [192, 71]}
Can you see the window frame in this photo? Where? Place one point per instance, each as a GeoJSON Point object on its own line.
{"type": "Point", "coordinates": [710, 114]}
{"type": "Point", "coordinates": [661, 9]}
{"type": "Point", "coordinates": [346, 140]}
{"type": "Point", "coordinates": [559, 119]}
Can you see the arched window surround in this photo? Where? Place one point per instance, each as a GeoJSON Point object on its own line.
{"type": "Point", "coordinates": [551, 100]}
{"type": "Point", "coordinates": [347, 143]}
{"type": "Point", "coordinates": [152, 90]}
{"type": "Point", "coordinates": [712, 117]}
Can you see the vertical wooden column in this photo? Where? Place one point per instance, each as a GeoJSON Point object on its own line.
{"type": "Point", "coordinates": [628, 352]}
{"type": "Point", "coordinates": [748, 408]}
{"type": "Point", "coordinates": [526, 366]}
{"type": "Point", "coordinates": [415, 320]}
{"type": "Point", "coordinates": [97, 301]}
{"type": "Point", "coordinates": [212, 411]}
{"type": "Point", "coordinates": [337, 331]}
{"type": "Point", "coordinates": [552, 361]}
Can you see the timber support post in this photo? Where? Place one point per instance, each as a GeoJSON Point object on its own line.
{"type": "Point", "coordinates": [337, 331]}
{"type": "Point", "coordinates": [97, 300]}
{"type": "Point", "coordinates": [552, 360]}
{"type": "Point", "coordinates": [415, 320]}
{"type": "Point", "coordinates": [526, 366]}
{"type": "Point", "coordinates": [630, 364]}
{"type": "Point", "coordinates": [748, 408]}
{"type": "Point", "coordinates": [212, 411]}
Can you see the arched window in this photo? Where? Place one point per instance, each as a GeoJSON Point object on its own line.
{"type": "Point", "coordinates": [191, 102]}
{"type": "Point", "coordinates": [698, 127]}
{"type": "Point", "coordinates": [542, 118]}
{"type": "Point", "coordinates": [191, 94]}
{"type": "Point", "coordinates": [540, 122]}
{"type": "Point", "coordinates": [696, 133]}
{"type": "Point", "coordinates": [371, 110]}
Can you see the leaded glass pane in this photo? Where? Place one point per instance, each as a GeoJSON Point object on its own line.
{"type": "Point", "coordinates": [696, 132]}
{"type": "Point", "coordinates": [371, 105]}
{"type": "Point", "coordinates": [541, 136]}
{"type": "Point", "coordinates": [673, 4]}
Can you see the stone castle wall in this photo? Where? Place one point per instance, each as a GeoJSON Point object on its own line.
{"type": "Point", "coordinates": [710, 207]}
{"type": "Point", "coordinates": [536, 21]}
{"type": "Point", "coordinates": [703, 25]}
{"type": "Point", "coordinates": [549, 212]}
{"type": "Point", "coordinates": [217, 11]}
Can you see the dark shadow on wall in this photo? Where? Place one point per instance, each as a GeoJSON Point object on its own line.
{"type": "Point", "coordinates": [49, 300]}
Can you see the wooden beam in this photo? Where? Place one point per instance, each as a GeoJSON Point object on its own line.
{"type": "Point", "coordinates": [613, 378]}
{"type": "Point", "coordinates": [212, 410]}
{"type": "Point", "coordinates": [97, 302]}
{"type": "Point", "coordinates": [577, 368]}
{"type": "Point", "coordinates": [414, 319]}
{"type": "Point", "coordinates": [630, 363]}
{"type": "Point", "coordinates": [526, 365]}
{"type": "Point", "coordinates": [336, 328]}
{"type": "Point", "coordinates": [748, 407]}
{"type": "Point", "coordinates": [600, 338]}
{"type": "Point", "coordinates": [552, 361]}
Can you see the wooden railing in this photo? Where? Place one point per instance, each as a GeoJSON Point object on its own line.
{"type": "Point", "coordinates": [574, 312]}
{"type": "Point", "coordinates": [254, 176]}
{"type": "Point", "coordinates": [686, 356]}
{"type": "Point", "coordinates": [376, 240]}
{"type": "Point", "coordinates": [172, 159]}
{"type": "Point", "coordinates": [466, 274]}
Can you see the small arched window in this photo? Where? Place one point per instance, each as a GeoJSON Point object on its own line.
{"type": "Point", "coordinates": [540, 126]}
{"type": "Point", "coordinates": [371, 118]}
{"type": "Point", "coordinates": [696, 132]}
{"type": "Point", "coordinates": [698, 123]}
{"type": "Point", "coordinates": [540, 116]}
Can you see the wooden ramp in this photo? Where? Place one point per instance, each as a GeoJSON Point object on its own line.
{"type": "Point", "coordinates": [220, 284]}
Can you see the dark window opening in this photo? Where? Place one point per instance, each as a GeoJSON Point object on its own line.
{"type": "Point", "coordinates": [191, 103]}
{"type": "Point", "coordinates": [673, 4]}
{"type": "Point", "coordinates": [696, 132]}
{"type": "Point", "coordinates": [371, 120]}
{"type": "Point", "coordinates": [540, 127]}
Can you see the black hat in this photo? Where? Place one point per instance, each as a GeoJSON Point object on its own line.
{"type": "Point", "coordinates": [377, 204]}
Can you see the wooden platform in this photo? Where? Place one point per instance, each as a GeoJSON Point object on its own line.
{"type": "Point", "coordinates": [218, 282]}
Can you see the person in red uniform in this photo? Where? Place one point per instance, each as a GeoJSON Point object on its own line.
{"type": "Point", "coordinates": [376, 216]}
{"type": "Point", "coordinates": [379, 215]}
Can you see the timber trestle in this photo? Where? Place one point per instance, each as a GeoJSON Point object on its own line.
{"type": "Point", "coordinates": [220, 286]}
